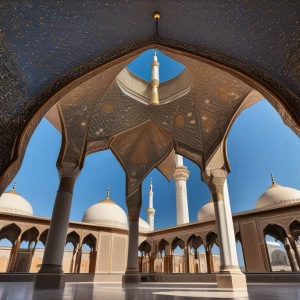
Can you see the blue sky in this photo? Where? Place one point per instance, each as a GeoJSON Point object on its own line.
{"type": "Point", "coordinates": [258, 144]}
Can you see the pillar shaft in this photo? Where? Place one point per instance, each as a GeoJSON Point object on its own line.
{"type": "Point", "coordinates": [230, 275]}
{"type": "Point", "coordinates": [56, 240]}
{"type": "Point", "coordinates": [133, 239]}
{"type": "Point", "coordinates": [290, 257]}
{"type": "Point", "coordinates": [134, 203]}
{"type": "Point", "coordinates": [14, 255]}
{"type": "Point", "coordinates": [224, 224]}
{"type": "Point", "coordinates": [209, 261]}
{"type": "Point", "coordinates": [294, 247]}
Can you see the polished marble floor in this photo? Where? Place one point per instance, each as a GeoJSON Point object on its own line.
{"type": "Point", "coordinates": [146, 291]}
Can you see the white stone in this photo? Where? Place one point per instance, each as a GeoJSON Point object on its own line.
{"type": "Point", "coordinates": [12, 202]}
{"type": "Point", "coordinates": [110, 214]}
{"type": "Point", "coordinates": [106, 213]}
{"type": "Point", "coordinates": [207, 212]}
{"type": "Point", "coordinates": [278, 195]}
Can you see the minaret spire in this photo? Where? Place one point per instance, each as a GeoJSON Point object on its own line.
{"type": "Point", "coordinates": [272, 178]}
{"type": "Point", "coordinates": [155, 81]}
{"type": "Point", "coordinates": [150, 210]}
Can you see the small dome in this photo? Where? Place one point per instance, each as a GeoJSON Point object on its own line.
{"type": "Point", "coordinates": [106, 213]}
{"type": "Point", "coordinates": [207, 212]}
{"type": "Point", "coordinates": [277, 195]}
{"type": "Point", "coordinates": [12, 202]}
{"type": "Point", "coordinates": [144, 226]}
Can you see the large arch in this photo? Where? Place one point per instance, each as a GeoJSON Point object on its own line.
{"type": "Point", "coordinates": [276, 94]}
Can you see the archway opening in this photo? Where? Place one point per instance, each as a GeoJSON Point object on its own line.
{"type": "Point", "coordinates": [179, 256]}
{"type": "Point", "coordinates": [87, 255]}
{"type": "Point", "coordinates": [212, 252]}
{"type": "Point", "coordinates": [193, 259]}
{"type": "Point", "coordinates": [279, 251]}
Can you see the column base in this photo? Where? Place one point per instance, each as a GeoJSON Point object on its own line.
{"type": "Point", "coordinates": [231, 279]}
{"type": "Point", "coordinates": [131, 278]}
{"type": "Point", "coordinates": [52, 269]}
{"type": "Point", "coordinates": [50, 280]}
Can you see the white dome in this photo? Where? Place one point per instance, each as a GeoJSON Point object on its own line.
{"type": "Point", "coordinates": [277, 195]}
{"type": "Point", "coordinates": [144, 226]}
{"type": "Point", "coordinates": [12, 202]}
{"type": "Point", "coordinates": [207, 212]}
{"type": "Point", "coordinates": [106, 213]}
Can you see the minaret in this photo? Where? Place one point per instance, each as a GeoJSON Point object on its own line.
{"type": "Point", "coordinates": [181, 175]}
{"type": "Point", "coordinates": [155, 81]}
{"type": "Point", "coordinates": [150, 210]}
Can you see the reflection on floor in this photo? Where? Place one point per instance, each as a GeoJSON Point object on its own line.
{"type": "Point", "coordinates": [148, 291]}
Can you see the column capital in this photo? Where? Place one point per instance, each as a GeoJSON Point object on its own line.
{"type": "Point", "coordinates": [215, 180]}
{"type": "Point", "coordinates": [68, 170]}
{"type": "Point", "coordinates": [66, 184]}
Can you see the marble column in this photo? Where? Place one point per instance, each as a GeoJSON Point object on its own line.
{"type": "Point", "coordinates": [230, 275]}
{"type": "Point", "coordinates": [295, 249]}
{"type": "Point", "coordinates": [134, 202]}
{"type": "Point", "coordinates": [51, 273]}
{"type": "Point", "coordinates": [290, 257]}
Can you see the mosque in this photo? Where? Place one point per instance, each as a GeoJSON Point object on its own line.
{"type": "Point", "coordinates": [67, 61]}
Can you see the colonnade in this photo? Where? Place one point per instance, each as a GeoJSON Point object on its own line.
{"type": "Point", "coordinates": [51, 269]}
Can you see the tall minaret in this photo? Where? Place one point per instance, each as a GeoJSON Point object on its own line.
{"type": "Point", "coordinates": [155, 81]}
{"type": "Point", "coordinates": [181, 175]}
{"type": "Point", "coordinates": [150, 210]}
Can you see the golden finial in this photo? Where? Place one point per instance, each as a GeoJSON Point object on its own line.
{"type": "Point", "coordinates": [108, 192]}
{"type": "Point", "coordinates": [156, 15]}
{"type": "Point", "coordinates": [14, 186]}
{"type": "Point", "coordinates": [272, 178]}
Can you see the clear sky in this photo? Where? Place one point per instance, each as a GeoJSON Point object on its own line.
{"type": "Point", "coordinates": [259, 143]}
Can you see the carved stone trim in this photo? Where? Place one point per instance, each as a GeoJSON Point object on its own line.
{"type": "Point", "coordinates": [66, 184]}
{"type": "Point", "coordinates": [215, 180]}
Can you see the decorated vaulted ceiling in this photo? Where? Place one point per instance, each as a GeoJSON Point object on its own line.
{"type": "Point", "coordinates": [112, 110]}
{"type": "Point", "coordinates": [46, 46]}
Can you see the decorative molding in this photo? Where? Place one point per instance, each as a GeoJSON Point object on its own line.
{"type": "Point", "coordinates": [16, 211]}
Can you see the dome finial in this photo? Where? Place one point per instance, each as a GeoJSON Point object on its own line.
{"type": "Point", "coordinates": [272, 178]}
{"type": "Point", "coordinates": [108, 192]}
{"type": "Point", "coordinates": [14, 186]}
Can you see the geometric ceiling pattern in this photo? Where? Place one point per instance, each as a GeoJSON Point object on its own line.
{"type": "Point", "coordinates": [48, 49]}
{"type": "Point", "coordinates": [100, 114]}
